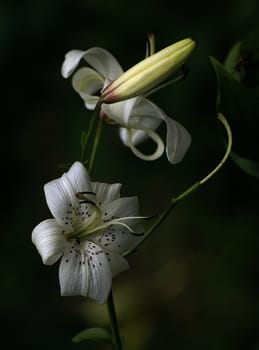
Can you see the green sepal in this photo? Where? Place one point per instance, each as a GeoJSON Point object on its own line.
{"type": "Point", "coordinates": [96, 334]}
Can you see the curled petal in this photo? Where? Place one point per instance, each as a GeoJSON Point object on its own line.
{"type": "Point", "coordinates": [101, 60]}
{"type": "Point", "coordinates": [177, 139]}
{"type": "Point", "coordinates": [61, 194]}
{"type": "Point", "coordinates": [154, 136]}
{"type": "Point", "coordinates": [49, 241]}
{"type": "Point", "coordinates": [85, 270]}
{"type": "Point", "coordinates": [72, 59]}
{"type": "Point", "coordinates": [141, 115]}
{"type": "Point", "coordinates": [87, 83]}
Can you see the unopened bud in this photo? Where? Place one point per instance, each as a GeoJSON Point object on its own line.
{"type": "Point", "coordinates": [148, 73]}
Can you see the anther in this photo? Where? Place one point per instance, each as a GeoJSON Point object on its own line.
{"type": "Point", "coordinates": [137, 234]}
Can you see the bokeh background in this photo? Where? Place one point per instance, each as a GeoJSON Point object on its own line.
{"type": "Point", "coordinates": [194, 284]}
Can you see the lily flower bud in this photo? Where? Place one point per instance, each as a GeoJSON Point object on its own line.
{"type": "Point", "coordinates": [149, 72]}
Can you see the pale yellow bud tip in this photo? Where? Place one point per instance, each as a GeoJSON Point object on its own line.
{"type": "Point", "coordinates": [148, 73]}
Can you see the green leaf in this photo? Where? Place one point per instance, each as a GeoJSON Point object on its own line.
{"type": "Point", "coordinates": [242, 61]}
{"type": "Point", "coordinates": [250, 50]}
{"type": "Point", "coordinates": [97, 334]}
{"type": "Point", "coordinates": [232, 60]}
{"type": "Point", "coordinates": [240, 106]}
{"type": "Point", "coordinates": [247, 165]}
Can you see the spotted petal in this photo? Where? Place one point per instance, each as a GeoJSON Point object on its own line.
{"type": "Point", "coordinates": [118, 239]}
{"type": "Point", "coordinates": [125, 231]}
{"type": "Point", "coordinates": [49, 241]}
{"type": "Point", "coordinates": [61, 194]}
{"type": "Point", "coordinates": [120, 208]}
{"type": "Point", "coordinates": [85, 270]}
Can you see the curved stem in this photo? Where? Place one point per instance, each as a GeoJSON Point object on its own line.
{"type": "Point", "coordinates": [228, 150]}
{"type": "Point", "coordinates": [116, 339]}
{"type": "Point", "coordinates": [191, 189]}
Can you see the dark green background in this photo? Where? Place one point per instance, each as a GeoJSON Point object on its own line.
{"type": "Point", "coordinates": [194, 285]}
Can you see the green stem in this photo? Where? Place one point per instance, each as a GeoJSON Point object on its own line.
{"type": "Point", "coordinates": [95, 145]}
{"type": "Point", "coordinates": [116, 339]}
{"type": "Point", "coordinates": [191, 189]}
{"type": "Point", "coordinates": [90, 130]}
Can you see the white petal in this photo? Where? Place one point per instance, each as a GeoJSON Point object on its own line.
{"type": "Point", "coordinates": [72, 59]}
{"type": "Point", "coordinates": [119, 208]}
{"type": "Point", "coordinates": [118, 238]}
{"type": "Point", "coordinates": [84, 270]}
{"type": "Point", "coordinates": [103, 62]}
{"type": "Point", "coordinates": [117, 263]}
{"type": "Point", "coordinates": [87, 83]}
{"type": "Point", "coordinates": [120, 112]}
{"type": "Point", "coordinates": [49, 241]}
{"type": "Point", "coordinates": [61, 194]}
{"type": "Point", "coordinates": [106, 192]}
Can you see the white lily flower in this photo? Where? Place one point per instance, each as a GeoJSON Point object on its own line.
{"type": "Point", "coordinates": [92, 227]}
{"type": "Point", "coordinates": [138, 118]}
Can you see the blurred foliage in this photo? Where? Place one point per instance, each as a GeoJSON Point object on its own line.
{"type": "Point", "coordinates": [238, 98]}
{"type": "Point", "coordinates": [194, 284]}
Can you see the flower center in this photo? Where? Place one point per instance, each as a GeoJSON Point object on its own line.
{"type": "Point", "coordinates": [95, 223]}
{"type": "Point", "coordinates": [84, 227]}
